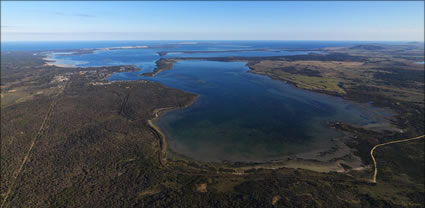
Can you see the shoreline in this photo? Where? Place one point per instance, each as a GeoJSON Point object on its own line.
{"type": "Point", "coordinates": [162, 64]}
{"type": "Point", "coordinates": [73, 52]}
{"type": "Point", "coordinates": [308, 160]}
{"type": "Point", "coordinates": [52, 62]}
{"type": "Point", "coordinates": [160, 134]}
{"type": "Point", "coordinates": [337, 157]}
{"type": "Point", "coordinates": [328, 159]}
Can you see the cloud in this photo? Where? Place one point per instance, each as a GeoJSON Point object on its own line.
{"type": "Point", "coordinates": [71, 14]}
{"type": "Point", "coordinates": [83, 15]}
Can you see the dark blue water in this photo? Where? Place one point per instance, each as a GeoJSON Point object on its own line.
{"type": "Point", "coordinates": [174, 45]}
{"type": "Point", "coordinates": [146, 58]}
{"type": "Point", "coordinates": [66, 45]}
{"type": "Point", "coordinates": [238, 53]}
{"type": "Point", "coordinates": [239, 116]}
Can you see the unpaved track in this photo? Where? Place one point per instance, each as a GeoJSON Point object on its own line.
{"type": "Point", "coordinates": [36, 137]}
{"type": "Point", "coordinates": [375, 172]}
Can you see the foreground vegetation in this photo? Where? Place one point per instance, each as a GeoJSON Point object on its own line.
{"type": "Point", "coordinates": [99, 150]}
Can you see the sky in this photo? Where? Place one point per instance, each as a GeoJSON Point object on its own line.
{"type": "Point", "coordinates": [212, 20]}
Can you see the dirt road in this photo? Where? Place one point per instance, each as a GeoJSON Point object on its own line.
{"type": "Point", "coordinates": [36, 137]}
{"type": "Point", "coordinates": [375, 172]}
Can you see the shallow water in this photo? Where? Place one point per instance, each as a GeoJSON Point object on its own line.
{"type": "Point", "coordinates": [239, 116]}
{"type": "Point", "coordinates": [242, 116]}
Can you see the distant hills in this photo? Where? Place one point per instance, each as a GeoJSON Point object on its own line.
{"type": "Point", "coordinates": [368, 47]}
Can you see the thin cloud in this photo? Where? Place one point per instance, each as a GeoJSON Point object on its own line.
{"type": "Point", "coordinates": [73, 14]}
{"type": "Point", "coordinates": [33, 33]}
{"type": "Point", "coordinates": [83, 15]}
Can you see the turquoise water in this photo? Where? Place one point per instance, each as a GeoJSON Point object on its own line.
{"type": "Point", "coordinates": [239, 116]}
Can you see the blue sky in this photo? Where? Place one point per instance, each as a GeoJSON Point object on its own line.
{"type": "Point", "coordinates": [285, 20]}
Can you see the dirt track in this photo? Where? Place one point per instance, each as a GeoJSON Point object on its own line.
{"type": "Point", "coordinates": [375, 172]}
{"type": "Point", "coordinates": [40, 132]}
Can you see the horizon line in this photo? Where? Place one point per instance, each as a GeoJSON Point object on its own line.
{"type": "Point", "coordinates": [10, 41]}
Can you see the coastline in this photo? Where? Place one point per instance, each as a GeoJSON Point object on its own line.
{"type": "Point", "coordinates": [52, 62]}
{"type": "Point", "coordinates": [308, 160]}
{"type": "Point", "coordinates": [312, 160]}
{"type": "Point", "coordinates": [162, 64]}
{"type": "Point", "coordinates": [73, 52]}
{"type": "Point", "coordinates": [160, 134]}
{"type": "Point", "coordinates": [329, 159]}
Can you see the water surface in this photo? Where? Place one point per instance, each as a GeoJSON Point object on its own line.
{"type": "Point", "coordinates": [242, 116]}
{"type": "Point", "coordinates": [239, 116]}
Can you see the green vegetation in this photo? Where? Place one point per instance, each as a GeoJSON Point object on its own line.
{"type": "Point", "coordinates": [161, 65]}
{"type": "Point", "coordinates": [99, 150]}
